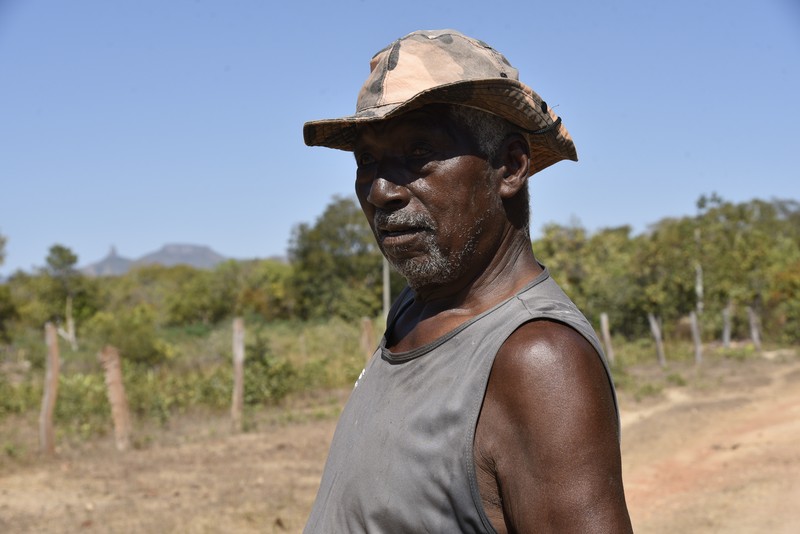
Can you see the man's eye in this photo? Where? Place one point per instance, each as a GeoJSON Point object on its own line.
{"type": "Point", "coordinates": [365, 159]}
{"type": "Point", "coordinates": [420, 151]}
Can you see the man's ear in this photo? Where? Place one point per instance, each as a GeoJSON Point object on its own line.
{"type": "Point", "coordinates": [514, 158]}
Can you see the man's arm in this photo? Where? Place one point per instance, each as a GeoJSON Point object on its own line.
{"type": "Point", "coordinates": [546, 444]}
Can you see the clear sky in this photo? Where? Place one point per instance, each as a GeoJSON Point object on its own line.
{"type": "Point", "coordinates": [137, 123]}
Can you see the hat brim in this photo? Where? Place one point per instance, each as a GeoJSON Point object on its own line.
{"type": "Point", "coordinates": [514, 101]}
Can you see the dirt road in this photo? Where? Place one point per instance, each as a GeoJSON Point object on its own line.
{"type": "Point", "coordinates": [720, 453]}
{"type": "Point", "coordinates": [719, 458]}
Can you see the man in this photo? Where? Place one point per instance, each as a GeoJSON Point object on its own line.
{"type": "Point", "coordinates": [488, 406]}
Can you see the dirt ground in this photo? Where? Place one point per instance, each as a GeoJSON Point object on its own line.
{"type": "Point", "coordinates": [716, 451]}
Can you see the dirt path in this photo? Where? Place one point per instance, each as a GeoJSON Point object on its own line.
{"type": "Point", "coordinates": [720, 454]}
{"type": "Point", "coordinates": [726, 459]}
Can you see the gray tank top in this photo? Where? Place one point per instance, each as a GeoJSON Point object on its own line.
{"type": "Point", "coordinates": [401, 460]}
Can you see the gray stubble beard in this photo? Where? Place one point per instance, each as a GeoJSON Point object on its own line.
{"type": "Point", "coordinates": [434, 268]}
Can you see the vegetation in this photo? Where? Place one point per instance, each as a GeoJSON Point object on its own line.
{"type": "Point", "coordinates": [337, 265]}
{"type": "Point", "coordinates": [172, 324]}
{"type": "Point", "coordinates": [744, 255]}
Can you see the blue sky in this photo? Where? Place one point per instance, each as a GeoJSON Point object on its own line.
{"type": "Point", "coordinates": [140, 123]}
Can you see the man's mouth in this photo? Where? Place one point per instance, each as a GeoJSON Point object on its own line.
{"type": "Point", "coordinates": [391, 231]}
{"type": "Point", "coordinates": [399, 238]}
{"type": "Point", "coordinates": [398, 228]}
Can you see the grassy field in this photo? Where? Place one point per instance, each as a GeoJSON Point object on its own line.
{"type": "Point", "coordinates": [287, 364]}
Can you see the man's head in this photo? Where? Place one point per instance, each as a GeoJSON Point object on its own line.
{"type": "Point", "coordinates": [441, 188]}
{"type": "Point", "coordinates": [445, 137]}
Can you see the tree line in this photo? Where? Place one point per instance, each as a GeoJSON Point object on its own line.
{"type": "Point", "coordinates": [725, 259]}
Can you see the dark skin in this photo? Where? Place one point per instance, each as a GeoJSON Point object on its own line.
{"type": "Point", "coordinates": [546, 449]}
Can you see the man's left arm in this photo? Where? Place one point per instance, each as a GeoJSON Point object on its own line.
{"type": "Point", "coordinates": [548, 432]}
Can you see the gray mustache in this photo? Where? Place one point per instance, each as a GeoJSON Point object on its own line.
{"type": "Point", "coordinates": [403, 218]}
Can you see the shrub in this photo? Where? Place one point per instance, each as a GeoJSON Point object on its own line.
{"type": "Point", "coordinates": [267, 378]}
{"type": "Point", "coordinates": [132, 332]}
{"type": "Point", "coordinates": [82, 404]}
{"type": "Point", "coordinates": [18, 398]}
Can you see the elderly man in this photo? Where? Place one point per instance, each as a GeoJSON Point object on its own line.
{"type": "Point", "coordinates": [488, 406]}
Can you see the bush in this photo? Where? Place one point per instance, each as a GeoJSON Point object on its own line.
{"type": "Point", "coordinates": [267, 378]}
{"type": "Point", "coordinates": [192, 370]}
{"type": "Point", "coordinates": [18, 398]}
{"type": "Point", "coordinates": [132, 332]}
{"type": "Point", "coordinates": [82, 407]}
{"type": "Point", "coordinates": [8, 312]}
{"type": "Point", "coordinates": [159, 393]}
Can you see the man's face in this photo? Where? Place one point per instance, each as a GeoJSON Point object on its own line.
{"type": "Point", "coordinates": [427, 194]}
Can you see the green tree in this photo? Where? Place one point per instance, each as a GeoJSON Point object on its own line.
{"type": "Point", "coordinates": [232, 287]}
{"type": "Point", "coordinates": [152, 286]}
{"type": "Point", "coordinates": [748, 254]}
{"type": "Point", "coordinates": [337, 265]}
{"type": "Point", "coordinates": [7, 310]}
{"type": "Point", "coordinates": [72, 296]}
{"type": "Point", "coordinates": [60, 267]}
{"type": "Point", "coordinates": [745, 246]}
{"type": "Point", "coordinates": [783, 304]}
{"type": "Point", "coordinates": [2, 249]}
{"type": "Point", "coordinates": [61, 263]}
{"type": "Point", "coordinates": [609, 285]}
{"type": "Point", "coordinates": [264, 289]}
{"type": "Point", "coordinates": [132, 330]}
{"type": "Point", "coordinates": [31, 295]}
{"type": "Point", "coordinates": [561, 249]}
{"type": "Point", "coordinates": [664, 269]}
{"type": "Point", "coordinates": [192, 300]}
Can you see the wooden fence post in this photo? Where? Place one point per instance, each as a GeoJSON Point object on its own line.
{"type": "Point", "coordinates": [115, 389]}
{"type": "Point", "coordinates": [606, 331]}
{"type": "Point", "coordinates": [387, 298]}
{"type": "Point", "coordinates": [367, 338]}
{"type": "Point", "coordinates": [726, 325]}
{"type": "Point", "coordinates": [238, 373]}
{"type": "Point", "coordinates": [46, 432]}
{"type": "Point", "coordinates": [655, 328]}
{"type": "Point", "coordinates": [755, 335]}
{"type": "Point", "coordinates": [698, 343]}
{"type": "Point", "coordinates": [69, 333]}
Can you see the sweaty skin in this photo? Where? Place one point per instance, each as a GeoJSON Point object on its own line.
{"type": "Point", "coordinates": [546, 444]}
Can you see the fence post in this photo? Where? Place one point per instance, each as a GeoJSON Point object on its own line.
{"type": "Point", "coordinates": [115, 389]}
{"type": "Point", "coordinates": [698, 342]}
{"type": "Point", "coordinates": [46, 432]}
{"type": "Point", "coordinates": [367, 338]}
{"type": "Point", "coordinates": [726, 325]}
{"type": "Point", "coordinates": [655, 328]}
{"type": "Point", "coordinates": [755, 335]}
{"type": "Point", "coordinates": [69, 333]}
{"type": "Point", "coordinates": [238, 373]}
{"type": "Point", "coordinates": [606, 331]}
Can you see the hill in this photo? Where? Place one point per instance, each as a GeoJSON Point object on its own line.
{"type": "Point", "coordinates": [197, 256]}
{"type": "Point", "coordinates": [111, 265]}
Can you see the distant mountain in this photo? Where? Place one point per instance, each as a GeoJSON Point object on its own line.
{"type": "Point", "coordinates": [198, 256]}
{"type": "Point", "coordinates": [111, 265]}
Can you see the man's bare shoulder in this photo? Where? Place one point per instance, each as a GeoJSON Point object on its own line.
{"type": "Point", "coordinates": [551, 358]}
{"type": "Point", "coordinates": [549, 379]}
{"type": "Point", "coordinates": [548, 435]}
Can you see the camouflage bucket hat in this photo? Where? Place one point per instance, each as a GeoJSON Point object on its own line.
{"type": "Point", "coordinates": [447, 67]}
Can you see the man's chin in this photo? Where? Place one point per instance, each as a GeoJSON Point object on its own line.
{"type": "Point", "coordinates": [421, 272]}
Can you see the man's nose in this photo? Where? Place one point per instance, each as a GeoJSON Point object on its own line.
{"type": "Point", "coordinates": [388, 189]}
